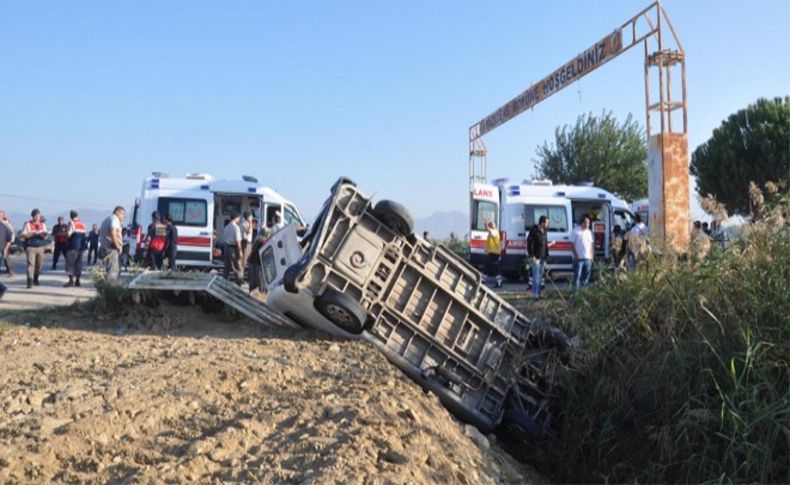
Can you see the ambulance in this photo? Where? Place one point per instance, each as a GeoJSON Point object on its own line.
{"type": "Point", "coordinates": [642, 207]}
{"type": "Point", "coordinates": [201, 206]}
{"type": "Point", "coordinates": [515, 208]}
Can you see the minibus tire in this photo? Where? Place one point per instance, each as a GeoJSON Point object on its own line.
{"type": "Point", "coordinates": [395, 216]}
{"type": "Point", "coordinates": [343, 180]}
{"type": "Point", "coordinates": [292, 273]}
{"type": "Point", "coordinates": [522, 423]}
{"type": "Point", "coordinates": [342, 310]}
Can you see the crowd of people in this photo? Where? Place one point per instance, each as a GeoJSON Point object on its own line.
{"type": "Point", "coordinates": [70, 240]}
{"type": "Point", "coordinates": [109, 243]}
{"type": "Point", "coordinates": [626, 249]}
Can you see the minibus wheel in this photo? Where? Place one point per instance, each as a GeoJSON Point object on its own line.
{"type": "Point", "coordinates": [395, 216]}
{"type": "Point", "coordinates": [342, 310]}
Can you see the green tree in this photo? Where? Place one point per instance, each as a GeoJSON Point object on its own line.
{"type": "Point", "coordinates": [599, 150]}
{"type": "Point", "coordinates": [752, 145]}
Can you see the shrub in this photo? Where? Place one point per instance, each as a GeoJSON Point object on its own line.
{"type": "Point", "coordinates": [457, 245]}
{"type": "Point", "coordinates": [682, 373]}
{"type": "Point", "coordinates": [111, 296]}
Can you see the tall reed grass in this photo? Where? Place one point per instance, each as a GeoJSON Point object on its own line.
{"type": "Point", "coordinates": [682, 373]}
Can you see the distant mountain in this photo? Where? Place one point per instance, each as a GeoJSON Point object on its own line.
{"type": "Point", "coordinates": [88, 216]}
{"type": "Point", "coordinates": [441, 224]}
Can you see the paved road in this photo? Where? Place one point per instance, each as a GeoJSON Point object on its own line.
{"type": "Point", "coordinates": [51, 291]}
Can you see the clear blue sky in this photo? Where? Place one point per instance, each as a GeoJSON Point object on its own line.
{"type": "Point", "coordinates": [95, 95]}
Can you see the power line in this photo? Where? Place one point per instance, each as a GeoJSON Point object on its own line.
{"type": "Point", "coordinates": [56, 201]}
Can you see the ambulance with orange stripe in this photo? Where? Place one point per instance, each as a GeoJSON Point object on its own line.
{"type": "Point", "coordinates": [200, 206]}
{"type": "Point", "coordinates": [515, 208]}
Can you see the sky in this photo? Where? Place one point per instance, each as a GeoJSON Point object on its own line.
{"type": "Point", "coordinates": [95, 95]}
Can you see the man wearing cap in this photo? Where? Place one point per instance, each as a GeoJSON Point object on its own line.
{"type": "Point", "coordinates": [59, 231]}
{"type": "Point", "coordinates": [231, 236]}
{"type": "Point", "coordinates": [77, 242]}
{"type": "Point", "coordinates": [34, 234]}
{"type": "Point", "coordinates": [112, 243]}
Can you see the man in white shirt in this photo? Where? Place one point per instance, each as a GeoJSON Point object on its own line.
{"type": "Point", "coordinates": [232, 238]}
{"type": "Point", "coordinates": [112, 243]}
{"type": "Point", "coordinates": [582, 249]}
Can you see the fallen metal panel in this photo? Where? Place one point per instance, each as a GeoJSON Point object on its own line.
{"type": "Point", "coordinates": [223, 290]}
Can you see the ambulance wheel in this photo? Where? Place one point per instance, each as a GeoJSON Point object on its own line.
{"type": "Point", "coordinates": [395, 216]}
{"type": "Point", "coordinates": [342, 310]}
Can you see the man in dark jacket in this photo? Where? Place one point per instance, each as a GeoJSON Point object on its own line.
{"type": "Point", "coordinates": [61, 237]}
{"type": "Point", "coordinates": [538, 250]}
{"type": "Point", "coordinates": [171, 248]}
{"type": "Point", "coordinates": [93, 244]}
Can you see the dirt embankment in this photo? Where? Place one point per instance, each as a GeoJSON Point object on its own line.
{"type": "Point", "coordinates": [179, 395]}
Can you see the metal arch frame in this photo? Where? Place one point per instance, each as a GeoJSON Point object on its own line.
{"type": "Point", "coordinates": [646, 25]}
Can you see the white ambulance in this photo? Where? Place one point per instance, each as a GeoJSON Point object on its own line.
{"type": "Point", "coordinates": [515, 208]}
{"type": "Point", "coordinates": [200, 206]}
{"type": "Point", "coordinates": [642, 207]}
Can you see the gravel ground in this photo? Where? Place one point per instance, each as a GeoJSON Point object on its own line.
{"type": "Point", "coordinates": [173, 394]}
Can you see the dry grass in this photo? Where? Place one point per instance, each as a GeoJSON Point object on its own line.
{"type": "Point", "coordinates": [682, 374]}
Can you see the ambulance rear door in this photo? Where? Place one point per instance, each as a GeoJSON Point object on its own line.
{"type": "Point", "coordinates": [190, 212]}
{"type": "Point", "coordinates": [558, 212]}
{"type": "Point", "coordinates": [484, 208]}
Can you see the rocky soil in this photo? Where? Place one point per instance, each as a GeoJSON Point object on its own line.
{"type": "Point", "coordinates": [173, 394]}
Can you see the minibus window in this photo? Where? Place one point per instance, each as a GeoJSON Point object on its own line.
{"type": "Point", "coordinates": [269, 265]}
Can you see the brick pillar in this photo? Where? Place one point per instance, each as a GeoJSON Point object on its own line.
{"type": "Point", "coordinates": [668, 188]}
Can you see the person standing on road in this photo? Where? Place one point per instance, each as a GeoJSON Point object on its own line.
{"type": "Point", "coordinates": [6, 238]}
{"type": "Point", "coordinates": [171, 246]}
{"type": "Point", "coordinates": [493, 250]}
{"type": "Point", "coordinates": [538, 249]}
{"type": "Point", "coordinates": [156, 240]}
{"type": "Point", "coordinates": [231, 236]}
{"type": "Point", "coordinates": [255, 270]}
{"type": "Point", "coordinates": [582, 249]}
{"type": "Point", "coordinates": [59, 234]}
{"type": "Point", "coordinates": [34, 233]}
{"type": "Point", "coordinates": [112, 243]}
{"type": "Point", "coordinates": [247, 226]}
{"type": "Point", "coordinates": [77, 242]}
{"type": "Point", "coordinates": [93, 244]}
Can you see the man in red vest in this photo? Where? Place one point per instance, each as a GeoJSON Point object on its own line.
{"type": "Point", "coordinates": [157, 232]}
{"type": "Point", "coordinates": [59, 234]}
{"type": "Point", "coordinates": [34, 234]}
{"type": "Point", "coordinates": [77, 243]}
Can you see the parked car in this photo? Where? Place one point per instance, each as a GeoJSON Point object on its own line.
{"type": "Point", "coordinates": [361, 273]}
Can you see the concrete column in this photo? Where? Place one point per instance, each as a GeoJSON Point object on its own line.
{"type": "Point", "coordinates": [668, 189]}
